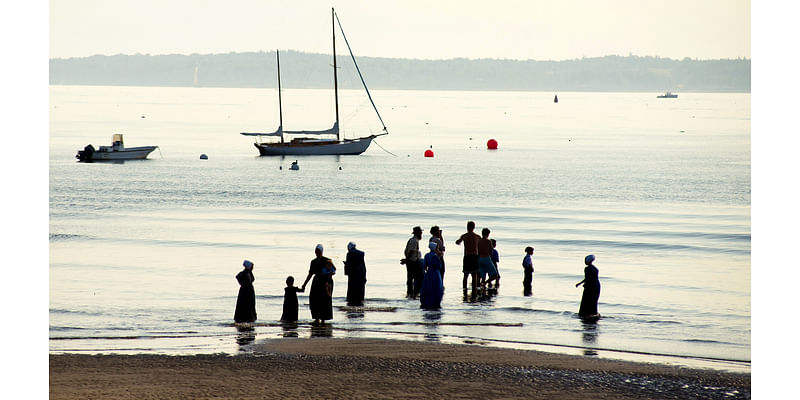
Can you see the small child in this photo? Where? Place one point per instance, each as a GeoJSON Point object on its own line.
{"type": "Point", "coordinates": [527, 265]}
{"type": "Point", "coordinates": [290, 301]}
{"type": "Point", "coordinates": [496, 261]}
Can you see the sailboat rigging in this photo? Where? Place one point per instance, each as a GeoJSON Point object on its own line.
{"type": "Point", "coordinates": [317, 146]}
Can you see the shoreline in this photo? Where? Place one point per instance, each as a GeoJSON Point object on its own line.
{"type": "Point", "coordinates": [381, 368]}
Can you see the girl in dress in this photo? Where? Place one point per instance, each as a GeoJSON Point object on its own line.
{"type": "Point", "coordinates": [290, 301]}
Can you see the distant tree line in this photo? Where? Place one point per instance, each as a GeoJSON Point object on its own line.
{"type": "Point", "coordinates": [307, 70]}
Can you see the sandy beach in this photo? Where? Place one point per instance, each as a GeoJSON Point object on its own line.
{"type": "Point", "coordinates": [327, 368]}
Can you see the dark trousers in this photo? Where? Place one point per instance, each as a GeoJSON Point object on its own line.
{"type": "Point", "coordinates": [527, 281]}
{"type": "Point", "coordinates": [413, 277]}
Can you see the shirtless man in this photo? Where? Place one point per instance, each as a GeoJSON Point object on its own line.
{"type": "Point", "coordinates": [470, 240]}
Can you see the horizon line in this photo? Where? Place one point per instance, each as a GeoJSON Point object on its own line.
{"type": "Point", "coordinates": [630, 55]}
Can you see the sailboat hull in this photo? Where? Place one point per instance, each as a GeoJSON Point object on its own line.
{"type": "Point", "coordinates": [315, 148]}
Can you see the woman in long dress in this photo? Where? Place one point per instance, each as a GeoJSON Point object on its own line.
{"type": "Point", "coordinates": [591, 288]}
{"type": "Point", "coordinates": [320, 297]}
{"type": "Point", "coordinates": [430, 296]}
{"type": "Point", "coordinates": [356, 271]}
{"type": "Point", "coordinates": [246, 301]}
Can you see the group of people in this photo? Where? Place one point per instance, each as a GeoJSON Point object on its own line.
{"type": "Point", "coordinates": [320, 296]}
{"type": "Point", "coordinates": [424, 276]}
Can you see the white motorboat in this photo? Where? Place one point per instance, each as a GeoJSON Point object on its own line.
{"type": "Point", "coordinates": [117, 151]}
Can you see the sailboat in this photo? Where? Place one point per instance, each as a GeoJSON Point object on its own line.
{"type": "Point", "coordinates": [324, 142]}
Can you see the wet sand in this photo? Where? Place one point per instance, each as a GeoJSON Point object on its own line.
{"type": "Point", "coordinates": [325, 368]}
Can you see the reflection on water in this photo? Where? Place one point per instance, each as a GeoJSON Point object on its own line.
{"type": "Point", "coordinates": [321, 330]}
{"type": "Point", "coordinates": [589, 336]}
{"type": "Point", "coordinates": [355, 315]}
{"type": "Point", "coordinates": [289, 329]}
{"type": "Point", "coordinates": [432, 318]}
{"type": "Point", "coordinates": [247, 334]}
{"type": "Point", "coordinates": [487, 296]}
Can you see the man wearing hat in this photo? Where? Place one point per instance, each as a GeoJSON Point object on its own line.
{"type": "Point", "coordinates": [413, 265]}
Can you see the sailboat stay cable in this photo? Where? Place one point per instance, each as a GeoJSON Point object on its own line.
{"type": "Point", "coordinates": [335, 77]}
{"type": "Point", "coordinates": [280, 107]}
{"type": "Point", "coordinates": [359, 72]}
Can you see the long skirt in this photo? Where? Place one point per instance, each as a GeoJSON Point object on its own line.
{"type": "Point", "coordinates": [319, 302]}
{"type": "Point", "coordinates": [589, 301]}
{"type": "Point", "coordinates": [355, 291]}
{"type": "Point", "coordinates": [432, 291]}
{"type": "Point", "coordinates": [245, 305]}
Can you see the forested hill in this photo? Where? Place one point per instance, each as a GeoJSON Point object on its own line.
{"type": "Point", "coordinates": [307, 70]}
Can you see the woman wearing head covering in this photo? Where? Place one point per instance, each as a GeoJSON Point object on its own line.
{"type": "Point", "coordinates": [246, 302]}
{"type": "Point", "coordinates": [320, 297]}
{"type": "Point", "coordinates": [430, 296]}
{"type": "Point", "coordinates": [591, 288]}
{"type": "Point", "coordinates": [356, 272]}
{"type": "Point", "coordinates": [436, 237]}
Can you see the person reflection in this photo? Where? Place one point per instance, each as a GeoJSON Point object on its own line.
{"type": "Point", "coordinates": [431, 320]}
{"type": "Point", "coordinates": [247, 334]}
{"type": "Point", "coordinates": [321, 330]}
{"type": "Point", "coordinates": [589, 333]}
{"type": "Point", "coordinates": [289, 329]}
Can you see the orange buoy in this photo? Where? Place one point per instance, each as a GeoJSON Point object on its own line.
{"type": "Point", "coordinates": [491, 144]}
{"type": "Point", "coordinates": [429, 153]}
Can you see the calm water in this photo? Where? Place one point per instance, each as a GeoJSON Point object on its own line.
{"type": "Point", "coordinates": [143, 254]}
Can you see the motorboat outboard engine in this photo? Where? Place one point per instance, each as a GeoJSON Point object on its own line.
{"type": "Point", "coordinates": [85, 154]}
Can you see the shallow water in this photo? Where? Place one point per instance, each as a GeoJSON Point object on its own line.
{"type": "Point", "coordinates": [143, 254]}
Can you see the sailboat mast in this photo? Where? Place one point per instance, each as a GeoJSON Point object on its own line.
{"type": "Point", "coordinates": [280, 107]}
{"type": "Point", "coordinates": [335, 78]}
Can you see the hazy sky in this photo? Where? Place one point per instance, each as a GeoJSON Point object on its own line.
{"type": "Point", "coordinates": [440, 29]}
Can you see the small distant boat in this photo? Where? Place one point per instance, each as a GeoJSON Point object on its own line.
{"type": "Point", "coordinates": [117, 151]}
{"type": "Point", "coordinates": [331, 142]}
{"type": "Point", "coordinates": [668, 95]}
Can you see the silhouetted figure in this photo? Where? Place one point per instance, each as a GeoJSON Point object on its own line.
{"type": "Point", "coordinates": [527, 267]}
{"type": "Point", "coordinates": [290, 301]}
{"type": "Point", "coordinates": [471, 257]}
{"type": "Point", "coordinates": [485, 264]}
{"type": "Point", "coordinates": [320, 297]}
{"type": "Point", "coordinates": [496, 261]}
{"type": "Point", "coordinates": [356, 272]}
{"type": "Point", "coordinates": [436, 237]}
{"type": "Point", "coordinates": [591, 289]}
{"type": "Point", "coordinates": [246, 301]}
{"type": "Point", "coordinates": [430, 296]}
{"type": "Point", "coordinates": [413, 263]}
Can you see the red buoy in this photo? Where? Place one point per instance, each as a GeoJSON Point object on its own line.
{"type": "Point", "coordinates": [491, 144]}
{"type": "Point", "coordinates": [429, 153]}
